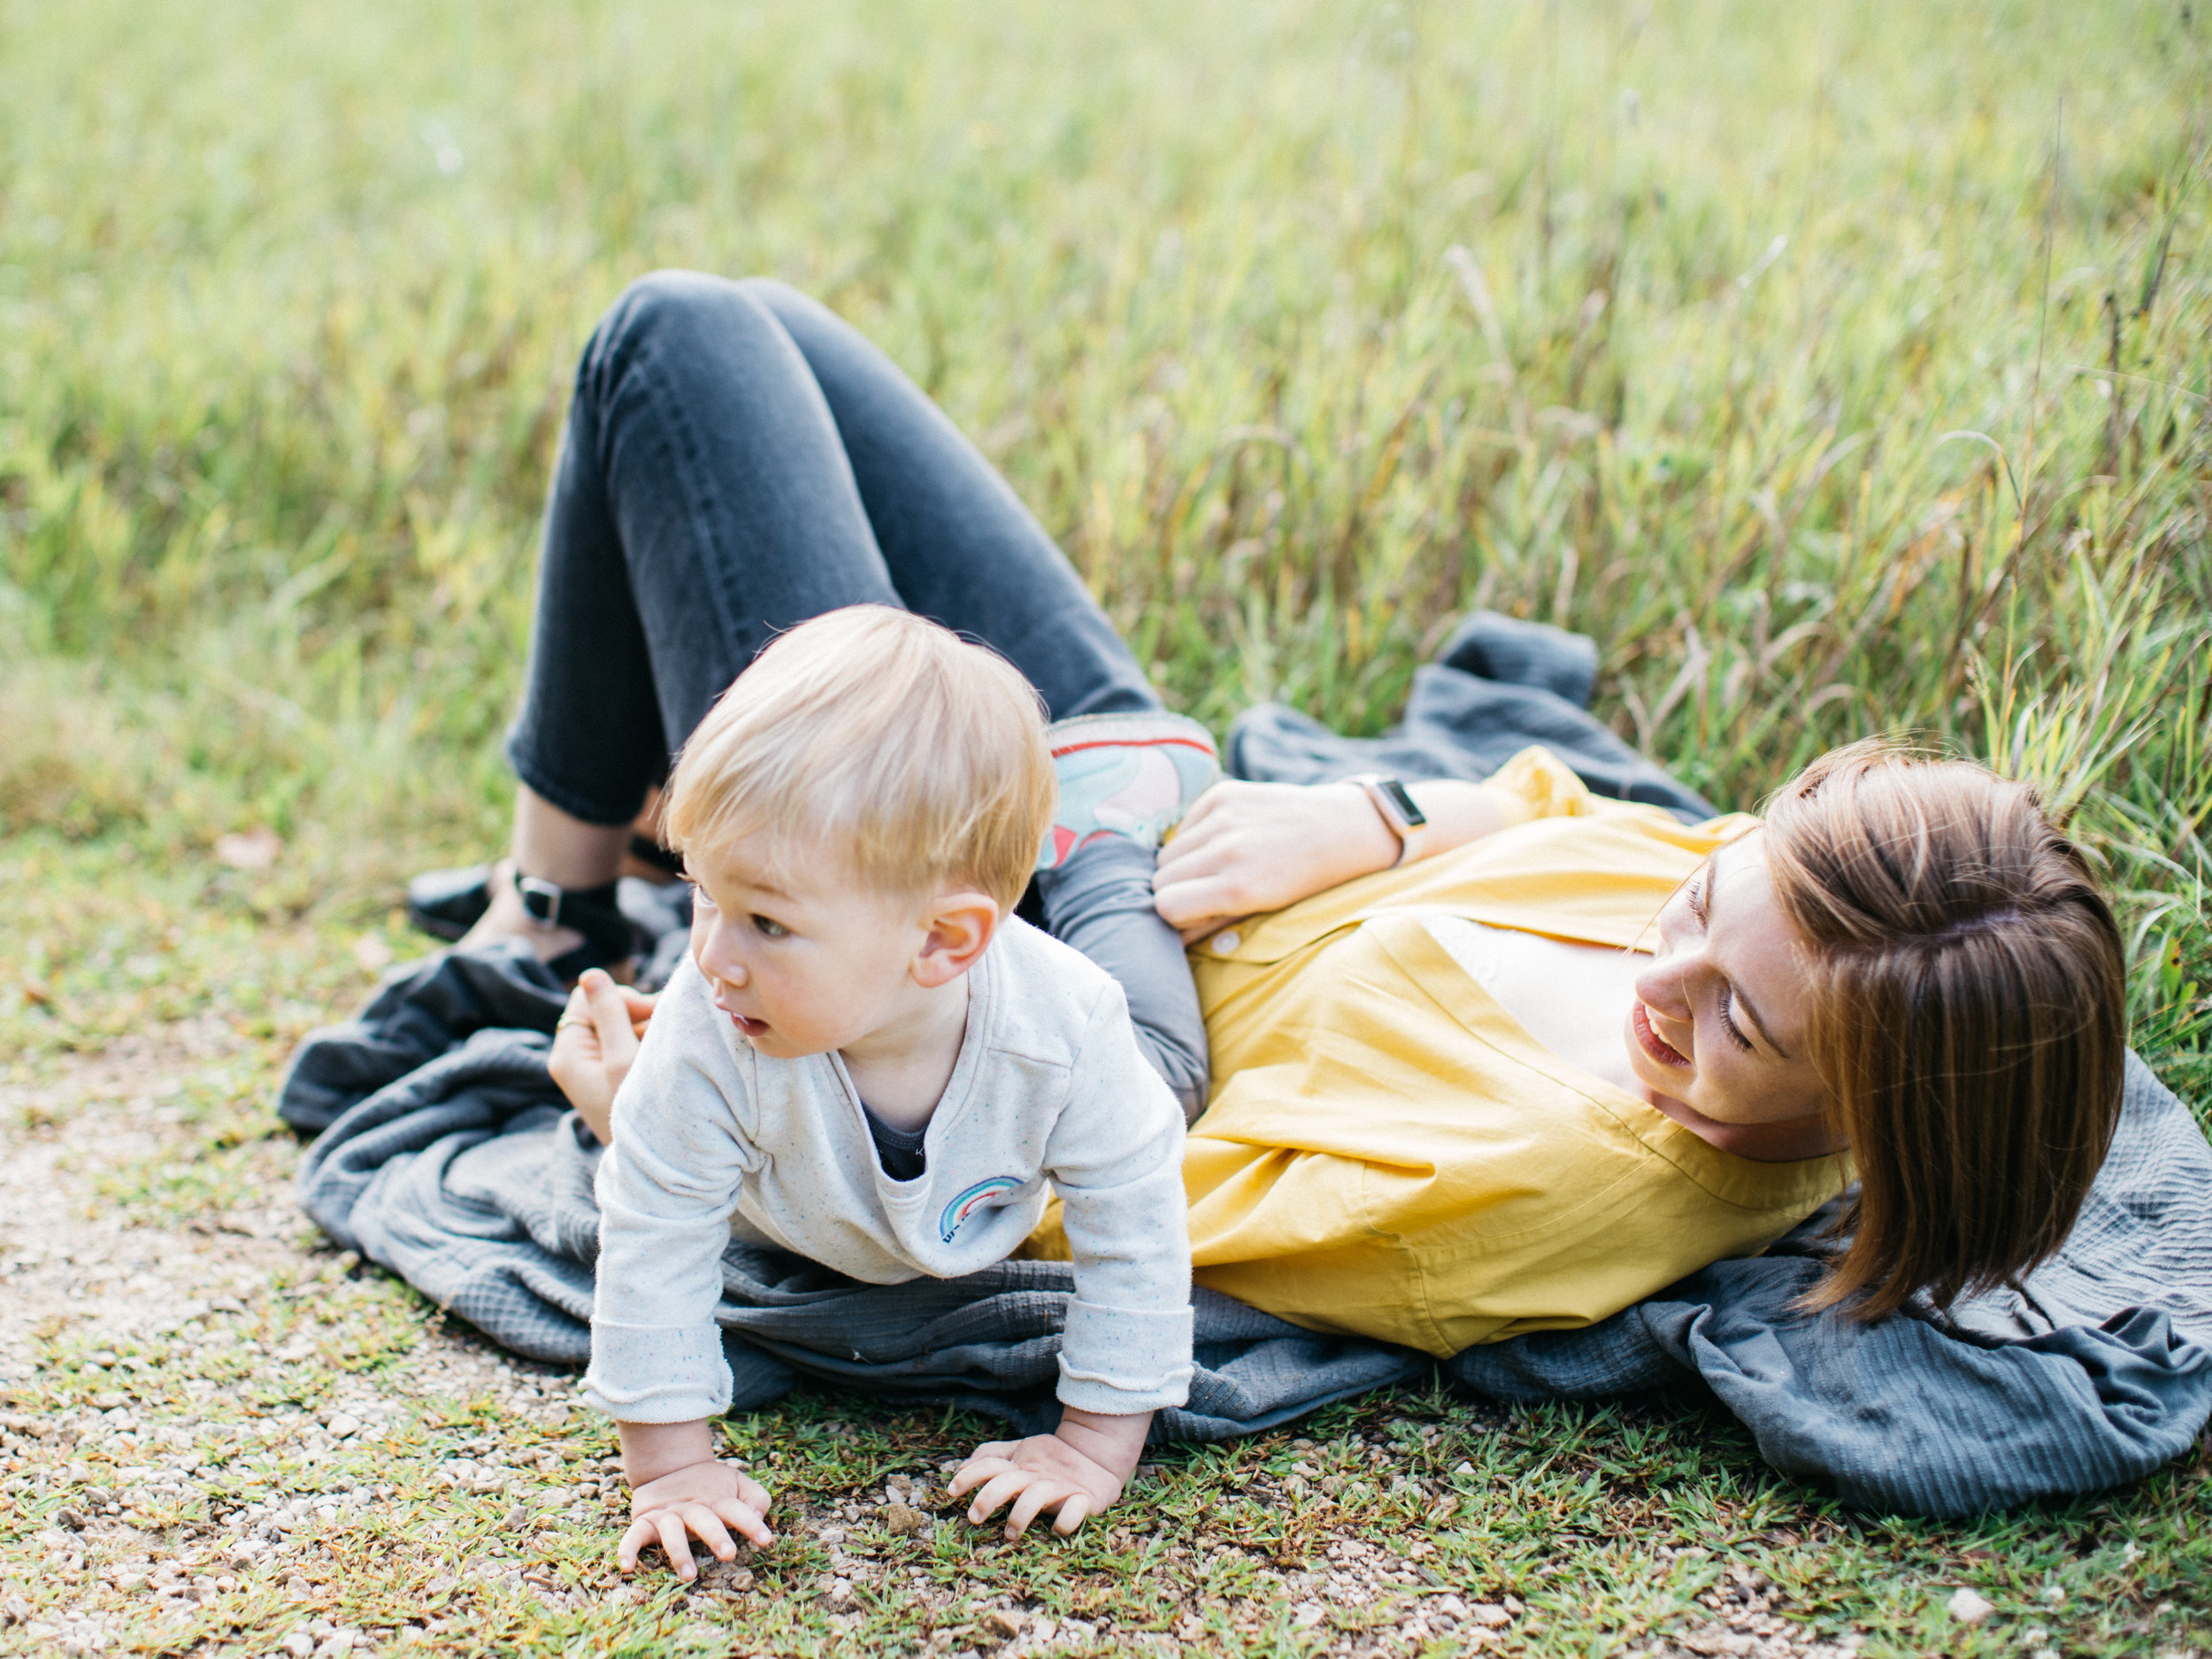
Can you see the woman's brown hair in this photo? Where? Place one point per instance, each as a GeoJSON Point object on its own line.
{"type": "Point", "coordinates": [1968, 1020]}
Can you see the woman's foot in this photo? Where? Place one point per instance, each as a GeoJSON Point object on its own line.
{"type": "Point", "coordinates": [505, 917]}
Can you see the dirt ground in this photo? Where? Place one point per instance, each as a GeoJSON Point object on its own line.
{"type": "Point", "coordinates": [80, 1266]}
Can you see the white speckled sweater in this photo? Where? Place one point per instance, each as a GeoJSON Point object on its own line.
{"type": "Point", "coordinates": [711, 1140]}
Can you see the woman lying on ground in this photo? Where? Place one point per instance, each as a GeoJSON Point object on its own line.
{"type": "Point", "coordinates": [1512, 1067]}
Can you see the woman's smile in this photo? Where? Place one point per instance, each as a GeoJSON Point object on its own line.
{"type": "Point", "coordinates": [1657, 1047]}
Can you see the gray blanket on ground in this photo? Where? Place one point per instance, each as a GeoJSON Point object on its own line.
{"type": "Point", "coordinates": [444, 1153]}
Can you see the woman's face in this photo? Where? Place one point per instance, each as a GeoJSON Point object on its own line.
{"type": "Point", "coordinates": [1720, 1017]}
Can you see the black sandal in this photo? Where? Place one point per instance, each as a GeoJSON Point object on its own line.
{"type": "Point", "coordinates": [446, 904]}
{"type": "Point", "coordinates": [610, 937]}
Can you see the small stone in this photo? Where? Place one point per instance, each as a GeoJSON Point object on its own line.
{"type": "Point", "coordinates": [1489, 1615]}
{"type": "Point", "coordinates": [1967, 1607]}
{"type": "Point", "coordinates": [344, 1423]}
{"type": "Point", "coordinates": [299, 1644]}
{"type": "Point", "coordinates": [902, 1520]}
{"type": "Point", "coordinates": [1002, 1624]}
{"type": "Point", "coordinates": [255, 848]}
{"type": "Point", "coordinates": [1513, 1606]}
{"type": "Point", "coordinates": [298, 1588]}
{"type": "Point", "coordinates": [73, 1519]}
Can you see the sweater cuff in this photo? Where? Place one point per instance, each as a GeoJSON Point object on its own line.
{"type": "Point", "coordinates": [1120, 1360]}
{"type": "Point", "coordinates": [649, 1373]}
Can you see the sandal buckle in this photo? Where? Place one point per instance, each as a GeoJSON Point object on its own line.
{"type": "Point", "coordinates": [540, 899]}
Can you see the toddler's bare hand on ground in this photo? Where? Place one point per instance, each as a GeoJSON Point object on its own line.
{"type": "Point", "coordinates": [704, 1501]}
{"type": "Point", "coordinates": [596, 1045]}
{"type": "Point", "coordinates": [1038, 1474]}
{"type": "Point", "coordinates": [1075, 1473]}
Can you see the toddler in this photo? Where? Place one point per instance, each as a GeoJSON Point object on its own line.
{"type": "Point", "coordinates": [868, 1060]}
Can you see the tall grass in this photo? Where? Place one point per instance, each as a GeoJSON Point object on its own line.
{"type": "Point", "coordinates": [1304, 327]}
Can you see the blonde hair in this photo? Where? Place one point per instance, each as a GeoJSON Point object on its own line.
{"type": "Point", "coordinates": [1969, 1016]}
{"type": "Point", "coordinates": [918, 757]}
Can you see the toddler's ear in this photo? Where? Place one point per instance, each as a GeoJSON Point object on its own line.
{"type": "Point", "coordinates": [961, 927]}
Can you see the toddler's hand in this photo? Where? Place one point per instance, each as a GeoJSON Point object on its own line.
{"type": "Point", "coordinates": [1043, 1472]}
{"type": "Point", "coordinates": [595, 1044]}
{"type": "Point", "coordinates": [705, 1500]}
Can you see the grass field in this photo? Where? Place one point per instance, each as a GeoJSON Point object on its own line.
{"type": "Point", "coordinates": [1838, 369]}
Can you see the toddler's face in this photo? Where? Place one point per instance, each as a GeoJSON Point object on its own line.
{"type": "Point", "coordinates": [803, 957]}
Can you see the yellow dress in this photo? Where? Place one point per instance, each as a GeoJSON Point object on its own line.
{"type": "Point", "coordinates": [1388, 1153]}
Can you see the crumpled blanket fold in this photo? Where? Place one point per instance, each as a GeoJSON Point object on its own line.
{"type": "Point", "coordinates": [444, 1153]}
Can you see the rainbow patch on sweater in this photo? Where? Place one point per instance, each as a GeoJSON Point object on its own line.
{"type": "Point", "coordinates": [969, 1201]}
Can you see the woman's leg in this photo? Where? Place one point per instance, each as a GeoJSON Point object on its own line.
{"type": "Point", "coordinates": [738, 460]}
{"type": "Point", "coordinates": [702, 500]}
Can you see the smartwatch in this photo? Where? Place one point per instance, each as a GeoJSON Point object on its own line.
{"type": "Point", "coordinates": [1396, 803]}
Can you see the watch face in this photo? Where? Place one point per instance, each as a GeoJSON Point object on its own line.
{"type": "Point", "coordinates": [1402, 799]}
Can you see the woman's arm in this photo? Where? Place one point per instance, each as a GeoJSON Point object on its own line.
{"type": "Point", "coordinates": [1246, 848]}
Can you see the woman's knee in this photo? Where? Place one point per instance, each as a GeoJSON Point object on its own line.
{"type": "Point", "coordinates": [688, 321]}
{"type": "Point", "coordinates": [664, 302]}
{"type": "Point", "coordinates": [786, 304]}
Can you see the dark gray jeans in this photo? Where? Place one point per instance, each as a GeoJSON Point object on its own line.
{"type": "Point", "coordinates": [737, 460]}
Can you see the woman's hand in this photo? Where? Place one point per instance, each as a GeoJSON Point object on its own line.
{"type": "Point", "coordinates": [595, 1044]}
{"type": "Point", "coordinates": [1076, 1472]}
{"type": "Point", "coordinates": [1245, 848]}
